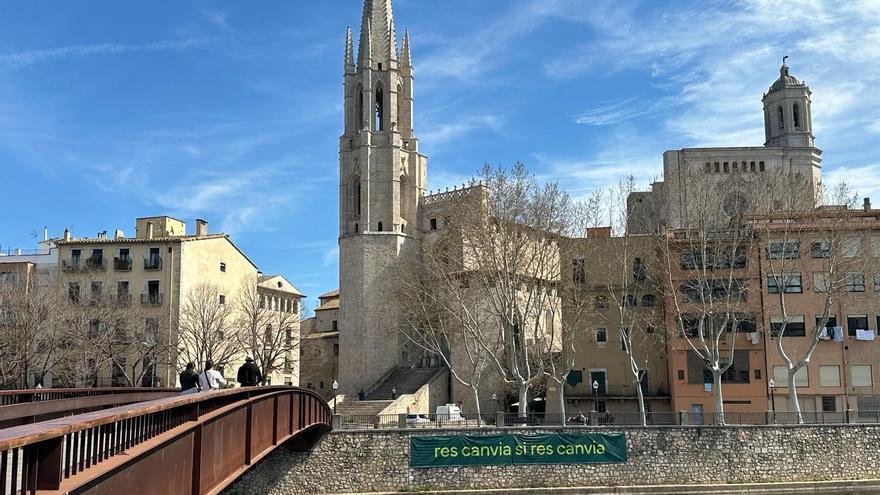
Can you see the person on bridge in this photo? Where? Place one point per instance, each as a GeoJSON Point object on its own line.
{"type": "Point", "coordinates": [189, 379]}
{"type": "Point", "coordinates": [249, 374]}
{"type": "Point", "coordinates": [210, 379]}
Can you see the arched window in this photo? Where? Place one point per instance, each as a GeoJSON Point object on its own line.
{"type": "Point", "coordinates": [781, 119]}
{"type": "Point", "coordinates": [797, 115]}
{"type": "Point", "coordinates": [380, 109]}
{"type": "Point", "coordinates": [355, 196]}
{"type": "Point", "coordinates": [356, 228]}
{"type": "Point", "coordinates": [380, 227]}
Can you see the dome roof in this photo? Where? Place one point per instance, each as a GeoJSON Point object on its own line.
{"type": "Point", "coordinates": [785, 80]}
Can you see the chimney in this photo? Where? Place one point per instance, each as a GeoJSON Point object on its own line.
{"type": "Point", "coordinates": [201, 228]}
{"type": "Point", "coordinates": [867, 204]}
{"type": "Point", "coordinates": [149, 230]}
{"type": "Point", "coordinates": [102, 234]}
{"type": "Point", "coordinates": [45, 234]}
{"type": "Point", "coordinates": [18, 251]}
{"type": "Point", "coordinates": [118, 234]}
{"type": "Point", "coordinates": [598, 232]}
{"type": "Point", "coordinates": [66, 234]}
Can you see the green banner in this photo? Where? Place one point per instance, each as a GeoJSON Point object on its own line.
{"type": "Point", "coordinates": [496, 450]}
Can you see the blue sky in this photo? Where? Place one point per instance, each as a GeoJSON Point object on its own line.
{"type": "Point", "coordinates": [231, 111]}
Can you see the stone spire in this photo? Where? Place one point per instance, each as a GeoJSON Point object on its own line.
{"type": "Point", "coordinates": [365, 49]}
{"type": "Point", "coordinates": [378, 16]}
{"type": "Point", "coordinates": [405, 56]}
{"type": "Point", "coordinates": [349, 51]}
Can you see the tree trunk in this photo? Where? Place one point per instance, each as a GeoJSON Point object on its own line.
{"type": "Point", "coordinates": [792, 396]}
{"type": "Point", "coordinates": [642, 414]}
{"type": "Point", "coordinates": [719, 399]}
{"type": "Point", "coordinates": [562, 403]}
{"type": "Point", "coordinates": [477, 405]}
{"type": "Point", "coordinates": [523, 409]}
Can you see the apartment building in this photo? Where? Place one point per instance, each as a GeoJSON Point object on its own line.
{"type": "Point", "coordinates": [151, 274]}
{"type": "Point", "coordinates": [319, 348]}
{"type": "Point", "coordinates": [282, 299]}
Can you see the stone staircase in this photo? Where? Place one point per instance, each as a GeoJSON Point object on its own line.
{"type": "Point", "coordinates": [404, 380]}
{"type": "Point", "coordinates": [362, 407]}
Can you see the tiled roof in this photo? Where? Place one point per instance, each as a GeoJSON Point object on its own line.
{"type": "Point", "coordinates": [334, 293]}
{"type": "Point", "coordinates": [331, 304]}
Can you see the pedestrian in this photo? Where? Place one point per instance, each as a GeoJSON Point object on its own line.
{"type": "Point", "coordinates": [249, 374]}
{"type": "Point", "coordinates": [393, 393]}
{"type": "Point", "coordinates": [362, 395]}
{"type": "Point", "coordinates": [210, 379]}
{"type": "Point", "coordinates": [189, 379]}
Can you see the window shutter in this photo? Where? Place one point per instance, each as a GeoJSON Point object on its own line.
{"type": "Point", "coordinates": [861, 375]}
{"type": "Point", "coordinates": [829, 376]}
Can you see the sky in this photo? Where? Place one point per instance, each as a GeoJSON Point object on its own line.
{"type": "Point", "coordinates": [232, 111]}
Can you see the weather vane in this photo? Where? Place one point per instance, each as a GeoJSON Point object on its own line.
{"type": "Point", "coordinates": [784, 59]}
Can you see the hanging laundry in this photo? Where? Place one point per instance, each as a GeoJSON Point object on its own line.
{"type": "Point", "coordinates": [838, 334]}
{"type": "Point", "coordinates": [753, 337]}
{"type": "Point", "coordinates": [823, 334]}
{"type": "Point", "coordinates": [862, 334]}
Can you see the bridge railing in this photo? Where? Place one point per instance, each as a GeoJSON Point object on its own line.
{"type": "Point", "coordinates": [21, 396]}
{"type": "Point", "coordinates": [196, 443]}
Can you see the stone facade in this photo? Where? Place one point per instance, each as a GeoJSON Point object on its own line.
{"type": "Point", "coordinates": [367, 461]}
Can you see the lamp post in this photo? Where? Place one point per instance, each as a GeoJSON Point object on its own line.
{"type": "Point", "coordinates": [335, 388]}
{"type": "Point", "coordinates": [596, 394]}
{"type": "Point", "coordinates": [772, 385]}
{"type": "Point", "coordinates": [494, 403]}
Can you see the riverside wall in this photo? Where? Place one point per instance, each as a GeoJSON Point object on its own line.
{"type": "Point", "coordinates": [378, 460]}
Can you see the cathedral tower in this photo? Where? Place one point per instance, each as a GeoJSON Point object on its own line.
{"type": "Point", "coordinates": [381, 177]}
{"type": "Point", "coordinates": [788, 118]}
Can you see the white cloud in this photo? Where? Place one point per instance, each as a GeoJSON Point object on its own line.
{"type": "Point", "coordinates": [863, 179]}
{"type": "Point", "coordinates": [442, 133]}
{"type": "Point", "coordinates": [31, 57]}
{"type": "Point", "coordinates": [613, 112]}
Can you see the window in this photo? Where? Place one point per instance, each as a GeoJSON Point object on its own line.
{"type": "Point", "coordinates": [334, 325]}
{"type": "Point", "coordinates": [829, 376]}
{"type": "Point", "coordinates": [726, 167]}
{"type": "Point", "coordinates": [856, 322]}
{"type": "Point", "coordinates": [647, 300]}
{"type": "Point", "coordinates": [629, 301]}
{"type": "Point", "coordinates": [877, 282]}
{"type": "Point", "coordinates": [601, 335]}
{"type": "Point", "coordinates": [861, 375]}
{"type": "Point", "coordinates": [794, 328]}
{"type": "Point", "coordinates": [638, 269]}
{"type": "Point", "coordinates": [761, 166]}
{"type": "Point", "coordinates": [335, 350]}
{"type": "Point", "coordinates": [380, 110]}
{"type": "Point", "coordinates": [154, 262]}
{"type": "Point", "coordinates": [850, 246]}
{"type": "Point", "coordinates": [680, 374]}
{"type": "Point", "coordinates": [151, 331]}
{"type": "Point", "coordinates": [781, 118]}
{"type": "Point", "coordinates": [717, 167]}
{"type": "Point", "coordinates": [73, 291]}
{"type": "Point", "coordinates": [650, 329]}
{"type": "Point", "coordinates": [751, 166]}
{"type": "Point", "coordinates": [791, 282]}
{"type": "Point", "coordinates": [831, 323]}
{"type": "Point", "coordinates": [757, 374]}
{"type": "Point", "coordinates": [97, 288]}
{"type": "Point", "coordinates": [820, 281]}
{"type": "Point", "coordinates": [433, 224]}
{"type": "Point", "coordinates": [579, 271]}
{"type": "Point", "coordinates": [380, 227]}
{"type": "Point", "coordinates": [797, 115]}
{"type": "Point", "coordinates": [222, 299]}
{"type": "Point", "coordinates": [222, 266]}
{"type": "Point", "coordinates": [854, 282]}
{"type": "Point", "coordinates": [783, 250]}
{"type": "Point", "coordinates": [601, 302]}
{"type": "Point", "coordinates": [738, 372]}
{"type": "Point", "coordinates": [122, 289]}
{"type": "Point", "coordinates": [829, 403]}
{"type": "Point", "coordinates": [75, 256]}
{"type": "Point", "coordinates": [780, 376]}
{"type": "Point", "coordinates": [124, 254]}
{"type": "Point", "coordinates": [820, 249]}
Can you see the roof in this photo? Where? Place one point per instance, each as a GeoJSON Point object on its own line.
{"type": "Point", "coordinates": [785, 80]}
{"type": "Point", "coordinates": [321, 335]}
{"type": "Point", "coordinates": [263, 282]}
{"type": "Point", "coordinates": [331, 304]}
{"type": "Point", "coordinates": [334, 293]}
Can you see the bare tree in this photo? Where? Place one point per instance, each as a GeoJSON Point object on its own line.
{"type": "Point", "coordinates": [707, 265]}
{"type": "Point", "coordinates": [207, 328]}
{"type": "Point", "coordinates": [817, 249]}
{"type": "Point", "coordinates": [268, 334]}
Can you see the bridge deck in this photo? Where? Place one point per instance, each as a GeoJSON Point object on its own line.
{"type": "Point", "coordinates": [193, 444]}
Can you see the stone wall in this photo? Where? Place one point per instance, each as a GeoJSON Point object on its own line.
{"type": "Point", "coordinates": [363, 461]}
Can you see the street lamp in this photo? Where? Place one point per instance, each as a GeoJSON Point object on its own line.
{"type": "Point", "coordinates": [596, 393]}
{"type": "Point", "coordinates": [335, 388]}
{"type": "Point", "coordinates": [494, 403]}
{"type": "Point", "coordinates": [772, 385]}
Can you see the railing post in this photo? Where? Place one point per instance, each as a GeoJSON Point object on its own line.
{"type": "Point", "coordinates": [683, 418]}
{"type": "Point", "coordinates": [197, 460]}
{"type": "Point", "coordinates": [47, 454]}
{"type": "Point", "coordinates": [499, 418]}
{"type": "Point", "coordinates": [248, 455]}
{"type": "Point", "coordinates": [337, 422]}
{"type": "Point", "coordinates": [275, 420]}
{"type": "Point", "coordinates": [401, 420]}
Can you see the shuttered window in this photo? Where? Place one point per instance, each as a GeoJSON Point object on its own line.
{"type": "Point", "coordinates": [861, 375]}
{"type": "Point", "coordinates": [829, 376]}
{"type": "Point", "coordinates": [780, 377]}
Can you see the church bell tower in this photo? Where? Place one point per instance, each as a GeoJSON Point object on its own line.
{"type": "Point", "coordinates": [381, 177]}
{"type": "Point", "coordinates": [788, 116]}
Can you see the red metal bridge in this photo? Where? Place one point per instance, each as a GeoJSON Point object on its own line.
{"type": "Point", "coordinates": [179, 444]}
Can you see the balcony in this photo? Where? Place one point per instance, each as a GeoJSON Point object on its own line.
{"type": "Point", "coordinates": [95, 263]}
{"type": "Point", "coordinates": [151, 299]}
{"type": "Point", "coordinates": [153, 263]}
{"type": "Point", "coordinates": [122, 264]}
{"type": "Point", "coordinates": [72, 265]}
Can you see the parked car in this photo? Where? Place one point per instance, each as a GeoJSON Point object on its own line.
{"type": "Point", "coordinates": [417, 419]}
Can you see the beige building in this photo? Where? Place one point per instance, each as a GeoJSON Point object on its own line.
{"type": "Point", "coordinates": [283, 301]}
{"type": "Point", "coordinates": [151, 275]}
{"type": "Point", "coordinates": [319, 349]}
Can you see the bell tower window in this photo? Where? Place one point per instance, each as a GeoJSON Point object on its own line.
{"type": "Point", "coordinates": [380, 109]}
{"type": "Point", "coordinates": [380, 227]}
{"type": "Point", "coordinates": [360, 112]}
{"type": "Point", "coordinates": [781, 118]}
{"type": "Point", "coordinates": [797, 115]}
